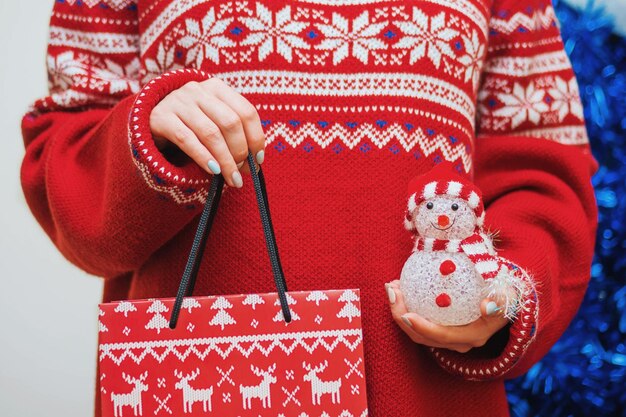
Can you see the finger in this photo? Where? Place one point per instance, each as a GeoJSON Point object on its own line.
{"type": "Point", "coordinates": [461, 348]}
{"type": "Point", "coordinates": [416, 322]}
{"type": "Point", "coordinates": [447, 335]}
{"type": "Point", "coordinates": [211, 137]}
{"type": "Point", "coordinates": [399, 311]}
{"type": "Point", "coordinates": [492, 315]}
{"type": "Point", "coordinates": [184, 138]}
{"type": "Point", "coordinates": [475, 334]}
{"type": "Point", "coordinates": [489, 309]}
{"type": "Point", "coordinates": [230, 125]}
{"type": "Point", "coordinates": [395, 283]}
{"type": "Point", "coordinates": [396, 300]}
{"type": "Point", "coordinates": [247, 113]}
{"type": "Point", "coordinates": [406, 324]}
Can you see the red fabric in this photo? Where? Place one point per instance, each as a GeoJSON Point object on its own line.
{"type": "Point", "coordinates": [347, 126]}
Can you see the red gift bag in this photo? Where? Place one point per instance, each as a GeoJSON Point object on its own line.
{"type": "Point", "coordinates": [280, 354]}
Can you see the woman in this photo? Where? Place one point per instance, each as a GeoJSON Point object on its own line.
{"type": "Point", "coordinates": [342, 102]}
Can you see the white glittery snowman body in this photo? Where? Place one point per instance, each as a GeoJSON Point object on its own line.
{"type": "Point", "coordinates": [450, 299]}
{"type": "Point", "coordinates": [443, 285]}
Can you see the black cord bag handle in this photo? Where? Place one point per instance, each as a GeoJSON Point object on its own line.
{"type": "Point", "coordinates": [188, 279]}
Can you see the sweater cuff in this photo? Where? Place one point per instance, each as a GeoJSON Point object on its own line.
{"type": "Point", "coordinates": [477, 364]}
{"type": "Point", "coordinates": [185, 184]}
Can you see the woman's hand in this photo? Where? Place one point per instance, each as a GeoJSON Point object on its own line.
{"type": "Point", "coordinates": [458, 338]}
{"type": "Point", "coordinates": [212, 124]}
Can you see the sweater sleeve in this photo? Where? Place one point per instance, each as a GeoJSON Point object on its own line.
{"type": "Point", "coordinates": [534, 167]}
{"type": "Point", "coordinates": [91, 174]}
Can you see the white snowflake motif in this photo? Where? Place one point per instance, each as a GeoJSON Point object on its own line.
{"type": "Point", "coordinates": [522, 105]}
{"type": "Point", "coordinates": [481, 108]}
{"type": "Point", "coordinates": [566, 98]}
{"type": "Point", "coordinates": [64, 68]}
{"type": "Point", "coordinates": [426, 37]}
{"type": "Point", "coordinates": [206, 41]}
{"type": "Point", "coordinates": [119, 78]}
{"type": "Point", "coordinates": [264, 31]}
{"type": "Point", "coordinates": [163, 63]}
{"type": "Point", "coordinates": [363, 37]}
{"type": "Point", "coordinates": [474, 51]}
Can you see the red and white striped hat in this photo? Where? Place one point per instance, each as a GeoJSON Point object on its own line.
{"type": "Point", "coordinates": [443, 180]}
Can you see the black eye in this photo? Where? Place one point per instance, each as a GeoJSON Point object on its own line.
{"type": "Point", "coordinates": [429, 206]}
{"type": "Point", "coordinates": [455, 206]}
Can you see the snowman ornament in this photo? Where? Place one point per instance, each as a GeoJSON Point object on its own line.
{"type": "Point", "coordinates": [453, 266]}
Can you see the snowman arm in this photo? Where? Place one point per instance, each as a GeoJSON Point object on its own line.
{"type": "Point", "coordinates": [535, 176]}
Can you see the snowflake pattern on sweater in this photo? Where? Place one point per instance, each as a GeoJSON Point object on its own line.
{"type": "Point", "coordinates": [531, 91]}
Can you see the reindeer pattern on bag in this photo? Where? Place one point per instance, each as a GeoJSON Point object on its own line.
{"type": "Point", "coordinates": [229, 354]}
{"type": "Point", "coordinates": [192, 395]}
{"type": "Point", "coordinates": [132, 398]}
{"type": "Point", "coordinates": [260, 391]}
{"type": "Point", "coordinates": [319, 387]}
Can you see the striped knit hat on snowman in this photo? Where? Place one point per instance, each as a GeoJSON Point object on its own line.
{"type": "Point", "coordinates": [443, 180]}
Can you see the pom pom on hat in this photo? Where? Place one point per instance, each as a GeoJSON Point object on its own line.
{"type": "Point", "coordinates": [443, 180]}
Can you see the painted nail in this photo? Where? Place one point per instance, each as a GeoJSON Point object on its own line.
{"type": "Point", "coordinates": [391, 294]}
{"type": "Point", "coordinates": [492, 308]}
{"type": "Point", "coordinates": [406, 321]}
{"type": "Point", "coordinates": [240, 164]}
{"type": "Point", "coordinates": [237, 180]}
{"type": "Point", "coordinates": [214, 167]}
{"type": "Point", "coordinates": [260, 156]}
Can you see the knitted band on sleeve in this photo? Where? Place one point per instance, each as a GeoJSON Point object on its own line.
{"type": "Point", "coordinates": [185, 184]}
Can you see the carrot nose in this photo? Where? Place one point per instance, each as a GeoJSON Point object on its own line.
{"type": "Point", "coordinates": [443, 221]}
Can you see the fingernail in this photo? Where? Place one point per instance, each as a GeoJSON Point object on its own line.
{"type": "Point", "coordinates": [214, 167]}
{"type": "Point", "coordinates": [492, 308]}
{"type": "Point", "coordinates": [406, 321]}
{"type": "Point", "coordinates": [260, 156]}
{"type": "Point", "coordinates": [391, 294]}
{"type": "Point", "coordinates": [237, 180]}
{"type": "Point", "coordinates": [240, 164]}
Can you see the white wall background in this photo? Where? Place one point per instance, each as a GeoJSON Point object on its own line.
{"type": "Point", "coordinates": [48, 308]}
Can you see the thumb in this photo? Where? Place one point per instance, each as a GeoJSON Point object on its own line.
{"type": "Point", "coordinates": [490, 309]}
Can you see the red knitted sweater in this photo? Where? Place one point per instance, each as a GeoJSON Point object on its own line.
{"type": "Point", "coordinates": [356, 97]}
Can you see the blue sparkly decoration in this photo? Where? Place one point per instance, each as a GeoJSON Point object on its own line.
{"type": "Point", "coordinates": [585, 372]}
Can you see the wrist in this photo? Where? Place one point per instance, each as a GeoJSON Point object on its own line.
{"type": "Point", "coordinates": [163, 166]}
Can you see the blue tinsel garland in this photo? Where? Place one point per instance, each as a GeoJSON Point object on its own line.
{"type": "Point", "coordinates": [585, 373]}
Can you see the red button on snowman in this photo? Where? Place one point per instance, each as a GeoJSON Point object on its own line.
{"type": "Point", "coordinates": [453, 266]}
